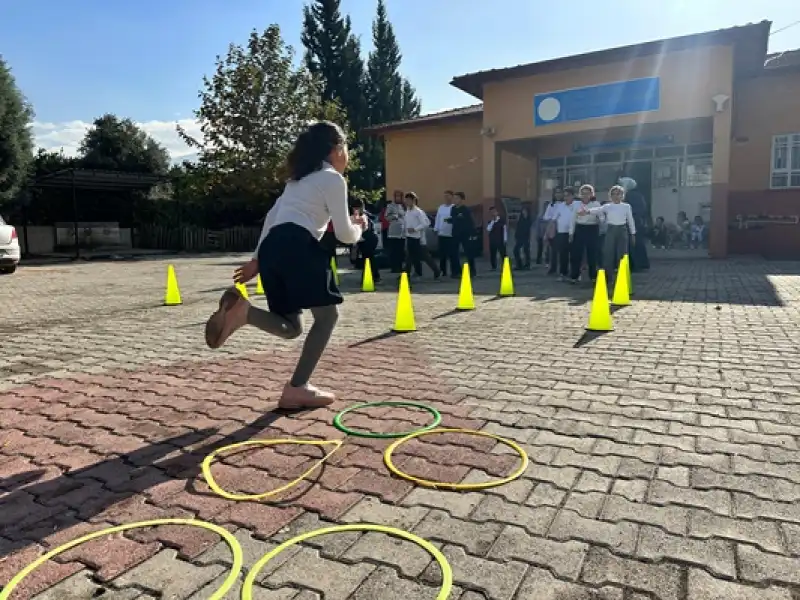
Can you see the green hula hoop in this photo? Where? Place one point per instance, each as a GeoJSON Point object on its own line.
{"type": "Point", "coordinates": [337, 420]}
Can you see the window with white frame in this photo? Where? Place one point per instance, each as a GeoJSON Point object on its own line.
{"type": "Point", "coordinates": [785, 161]}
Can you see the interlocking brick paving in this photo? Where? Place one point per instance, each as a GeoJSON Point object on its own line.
{"type": "Point", "coordinates": [664, 457]}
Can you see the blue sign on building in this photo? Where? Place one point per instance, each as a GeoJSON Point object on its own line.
{"type": "Point", "coordinates": [607, 100]}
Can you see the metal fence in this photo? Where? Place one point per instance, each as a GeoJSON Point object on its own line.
{"type": "Point", "coordinates": [196, 239]}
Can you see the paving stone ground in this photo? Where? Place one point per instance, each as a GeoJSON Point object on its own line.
{"type": "Point", "coordinates": [664, 455]}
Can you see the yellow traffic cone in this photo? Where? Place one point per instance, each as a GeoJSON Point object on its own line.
{"type": "Point", "coordinates": [627, 260]}
{"type": "Point", "coordinates": [466, 301]}
{"type": "Point", "coordinates": [506, 283]}
{"type": "Point", "coordinates": [242, 290]}
{"type": "Point", "coordinates": [259, 287]}
{"type": "Point", "coordinates": [335, 270]}
{"type": "Point", "coordinates": [367, 284]}
{"type": "Point", "coordinates": [172, 297]}
{"type": "Point", "coordinates": [600, 314]}
{"type": "Point", "coordinates": [622, 293]}
{"type": "Point", "coordinates": [404, 317]}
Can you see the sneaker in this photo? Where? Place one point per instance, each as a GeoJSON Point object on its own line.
{"type": "Point", "coordinates": [229, 317]}
{"type": "Point", "coordinates": [304, 397]}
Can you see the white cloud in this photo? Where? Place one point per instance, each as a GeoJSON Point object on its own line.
{"type": "Point", "coordinates": [68, 135]}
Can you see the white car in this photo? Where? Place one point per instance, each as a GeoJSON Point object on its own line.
{"type": "Point", "coordinates": [9, 248]}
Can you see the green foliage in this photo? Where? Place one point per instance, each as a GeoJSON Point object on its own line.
{"type": "Point", "coordinates": [370, 96]}
{"type": "Point", "coordinates": [368, 197]}
{"type": "Point", "coordinates": [52, 161]}
{"type": "Point", "coordinates": [251, 111]}
{"type": "Point", "coordinates": [117, 144]}
{"type": "Point", "coordinates": [16, 141]}
{"type": "Point", "coordinates": [333, 55]}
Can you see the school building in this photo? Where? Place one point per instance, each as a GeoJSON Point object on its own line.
{"type": "Point", "coordinates": [707, 124]}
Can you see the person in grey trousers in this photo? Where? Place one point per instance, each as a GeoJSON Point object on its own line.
{"type": "Point", "coordinates": [620, 224]}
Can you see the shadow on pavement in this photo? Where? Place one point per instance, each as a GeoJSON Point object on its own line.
{"type": "Point", "coordinates": [588, 337]}
{"type": "Point", "coordinates": [378, 338]}
{"type": "Point", "coordinates": [38, 510]}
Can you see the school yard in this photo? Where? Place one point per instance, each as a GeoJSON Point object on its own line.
{"type": "Point", "coordinates": [664, 455]}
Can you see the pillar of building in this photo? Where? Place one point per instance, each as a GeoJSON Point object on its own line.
{"type": "Point", "coordinates": [492, 177]}
{"type": "Point", "coordinates": [721, 163]}
{"type": "Point", "coordinates": [720, 177]}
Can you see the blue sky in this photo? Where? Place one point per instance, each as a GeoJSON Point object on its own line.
{"type": "Point", "coordinates": [146, 59]}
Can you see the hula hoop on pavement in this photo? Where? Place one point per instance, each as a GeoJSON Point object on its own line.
{"type": "Point", "coordinates": [444, 566]}
{"type": "Point", "coordinates": [337, 420]}
{"type": "Point", "coordinates": [443, 485]}
{"type": "Point", "coordinates": [219, 594]}
{"type": "Point", "coordinates": [212, 483]}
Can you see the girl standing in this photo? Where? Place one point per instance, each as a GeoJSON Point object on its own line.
{"type": "Point", "coordinates": [620, 224]}
{"type": "Point", "coordinates": [295, 270]}
{"type": "Point", "coordinates": [584, 235]}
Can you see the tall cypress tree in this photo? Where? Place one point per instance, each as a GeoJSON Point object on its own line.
{"type": "Point", "coordinates": [390, 96]}
{"type": "Point", "coordinates": [333, 54]}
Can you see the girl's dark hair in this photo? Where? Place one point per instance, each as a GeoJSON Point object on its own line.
{"type": "Point", "coordinates": [312, 147]}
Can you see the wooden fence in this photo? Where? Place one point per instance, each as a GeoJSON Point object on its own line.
{"type": "Point", "coordinates": [196, 239]}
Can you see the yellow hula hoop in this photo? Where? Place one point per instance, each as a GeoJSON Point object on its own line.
{"type": "Point", "coordinates": [212, 483]}
{"type": "Point", "coordinates": [233, 544]}
{"type": "Point", "coordinates": [443, 485]}
{"type": "Point", "coordinates": [447, 572]}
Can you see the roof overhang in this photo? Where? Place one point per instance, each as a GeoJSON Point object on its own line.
{"type": "Point", "coordinates": [453, 115]}
{"type": "Point", "coordinates": [749, 40]}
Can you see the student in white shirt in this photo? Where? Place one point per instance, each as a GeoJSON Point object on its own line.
{"type": "Point", "coordinates": [563, 214]}
{"type": "Point", "coordinates": [547, 227]}
{"type": "Point", "coordinates": [396, 247]}
{"type": "Point", "coordinates": [443, 226]}
{"type": "Point", "coordinates": [416, 223]}
{"type": "Point", "coordinates": [584, 234]}
{"type": "Point", "coordinates": [295, 270]}
{"type": "Point", "coordinates": [619, 220]}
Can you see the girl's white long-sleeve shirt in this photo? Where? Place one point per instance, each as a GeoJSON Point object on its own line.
{"type": "Point", "coordinates": [587, 219]}
{"type": "Point", "coordinates": [617, 213]}
{"type": "Point", "coordinates": [441, 226]}
{"type": "Point", "coordinates": [416, 219]}
{"type": "Point", "coordinates": [312, 203]}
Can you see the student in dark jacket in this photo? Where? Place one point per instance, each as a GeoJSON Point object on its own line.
{"type": "Point", "coordinates": [463, 229]}
{"type": "Point", "coordinates": [498, 237]}
{"type": "Point", "coordinates": [522, 239]}
{"type": "Point", "coordinates": [368, 243]}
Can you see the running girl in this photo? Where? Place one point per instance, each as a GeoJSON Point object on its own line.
{"type": "Point", "coordinates": [295, 269]}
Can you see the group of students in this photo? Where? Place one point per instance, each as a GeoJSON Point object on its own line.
{"type": "Point", "coordinates": [571, 233]}
{"type": "Point", "coordinates": [404, 227]}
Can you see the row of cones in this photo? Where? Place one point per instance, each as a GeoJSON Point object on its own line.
{"type": "Point", "coordinates": [599, 315]}
{"type": "Point", "coordinates": [404, 320]}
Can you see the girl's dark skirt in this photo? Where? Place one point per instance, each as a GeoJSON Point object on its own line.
{"type": "Point", "coordinates": [295, 271]}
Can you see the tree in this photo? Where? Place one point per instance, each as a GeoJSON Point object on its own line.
{"type": "Point", "coordinates": [251, 111]}
{"type": "Point", "coordinates": [389, 95]}
{"type": "Point", "coordinates": [333, 54]}
{"type": "Point", "coordinates": [16, 141]}
{"type": "Point", "coordinates": [117, 144]}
